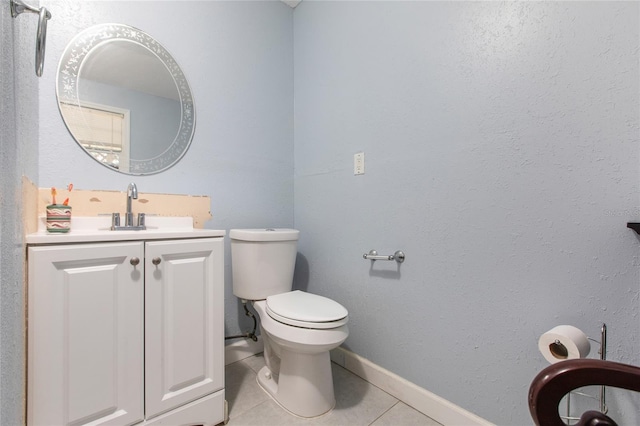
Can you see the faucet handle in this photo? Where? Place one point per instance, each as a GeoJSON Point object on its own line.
{"type": "Point", "coordinates": [141, 219]}
{"type": "Point", "coordinates": [115, 220]}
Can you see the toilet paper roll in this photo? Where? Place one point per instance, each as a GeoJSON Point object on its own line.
{"type": "Point", "coordinates": [564, 342]}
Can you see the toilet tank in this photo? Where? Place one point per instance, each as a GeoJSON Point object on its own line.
{"type": "Point", "coordinates": [262, 261]}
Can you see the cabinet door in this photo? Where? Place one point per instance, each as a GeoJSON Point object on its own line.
{"type": "Point", "coordinates": [184, 336]}
{"type": "Point", "coordinates": [85, 334]}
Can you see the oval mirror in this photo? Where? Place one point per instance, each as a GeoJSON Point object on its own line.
{"type": "Point", "coordinates": [125, 100]}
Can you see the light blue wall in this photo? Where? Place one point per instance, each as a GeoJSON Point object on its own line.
{"type": "Point", "coordinates": [18, 153]}
{"type": "Point", "coordinates": [501, 146]}
{"type": "Point", "coordinates": [238, 59]}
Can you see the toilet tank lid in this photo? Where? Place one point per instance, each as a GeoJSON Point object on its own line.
{"type": "Point", "coordinates": [268, 234]}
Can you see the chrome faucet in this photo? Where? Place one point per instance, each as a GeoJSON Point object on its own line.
{"type": "Point", "coordinates": [132, 194]}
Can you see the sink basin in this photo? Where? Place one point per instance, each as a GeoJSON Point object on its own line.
{"type": "Point", "coordinates": [98, 228]}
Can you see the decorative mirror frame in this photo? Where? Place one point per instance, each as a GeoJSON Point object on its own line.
{"type": "Point", "coordinates": [67, 88]}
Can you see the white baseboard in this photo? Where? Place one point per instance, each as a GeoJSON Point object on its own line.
{"type": "Point", "coordinates": [426, 402]}
{"type": "Point", "coordinates": [241, 349]}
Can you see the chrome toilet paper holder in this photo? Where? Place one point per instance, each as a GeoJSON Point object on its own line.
{"type": "Point", "coordinates": [398, 256]}
{"type": "Point", "coordinates": [603, 392]}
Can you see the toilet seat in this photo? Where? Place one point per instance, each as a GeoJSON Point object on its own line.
{"type": "Point", "coordinates": [301, 309]}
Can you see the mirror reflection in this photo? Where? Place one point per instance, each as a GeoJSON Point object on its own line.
{"type": "Point", "coordinates": [125, 100]}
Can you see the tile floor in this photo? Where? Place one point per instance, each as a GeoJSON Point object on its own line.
{"type": "Point", "coordinates": [358, 403]}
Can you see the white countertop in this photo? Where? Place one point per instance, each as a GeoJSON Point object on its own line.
{"type": "Point", "coordinates": [97, 229]}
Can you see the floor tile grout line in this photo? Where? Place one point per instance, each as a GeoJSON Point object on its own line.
{"type": "Point", "coordinates": [248, 365]}
{"type": "Point", "coordinates": [254, 378]}
{"type": "Point", "coordinates": [385, 412]}
{"type": "Point", "coordinates": [249, 409]}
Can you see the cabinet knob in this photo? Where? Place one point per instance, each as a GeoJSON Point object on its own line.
{"type": "Point", "coordinates": [134, 261]}
{"type": "Point", "coordinates": [156, 261]}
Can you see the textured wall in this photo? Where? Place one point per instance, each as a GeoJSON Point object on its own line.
{"type": "Point", "coordinates": [238, 59]}
{"type": "Point", "coordinates": [18, 153]}
{"type": "Point", "coordinates": [501, 144]}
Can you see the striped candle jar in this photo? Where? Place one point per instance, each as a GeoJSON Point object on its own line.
{"type": "Point", "coordinates": [58, 218]}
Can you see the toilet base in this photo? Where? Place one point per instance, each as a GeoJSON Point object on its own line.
{"type": "Point", "coordinates": [304, 386]}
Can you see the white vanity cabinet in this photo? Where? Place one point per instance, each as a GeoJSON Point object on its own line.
{"type": "Point", "coordinates": [126, 332]}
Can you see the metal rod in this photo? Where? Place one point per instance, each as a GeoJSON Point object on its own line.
{"type": "Point", "coordinates": [603, 392]}
{"type": "Point", "coordinates": [373, 255]}
{"type": "Point", "coordinates": [41, 39]}
{"type": "Point", "coordinates": [18, 7]}
{"type": "Point", "coordinates": [603, 356]}
{"type": "Point", "coordinates": [249, 334]}
{"type": "Point", "coordinates": [398, 256]}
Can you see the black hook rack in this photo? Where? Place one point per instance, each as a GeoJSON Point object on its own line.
{"type": "Point", "coordinates": [635, 226]}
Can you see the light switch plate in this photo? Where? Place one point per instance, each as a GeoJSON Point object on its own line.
{"type": "Point", "coordinates": [358, 163]}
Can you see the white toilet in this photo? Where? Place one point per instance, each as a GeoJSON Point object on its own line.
{"type": "Point", "coordinates": [298, 328]}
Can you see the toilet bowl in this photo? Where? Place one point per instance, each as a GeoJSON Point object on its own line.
{"type": "Point", "coordinates": [298, 328]}
{"type": "Point", "coordinates": [297, 373]}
